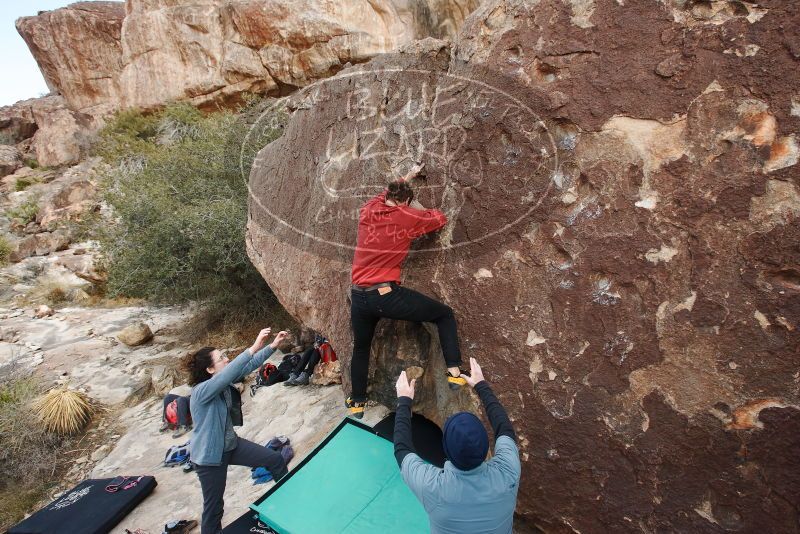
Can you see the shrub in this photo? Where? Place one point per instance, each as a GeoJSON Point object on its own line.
{"type": "Point", "coordinates": [29, 456]}
{"type": "Point", "coordinates": [63, 411]}
{"type": "Point", "coordinates": [56, 295]}
{"type": "Point", "coordinates": [22, 184]}
{"type": "Point", "coordinates": [31, 162]}
{"type": "Point", "coordinates": [180, 207]}
{"type": "Point", "coordinates": [26, 212]}
{"type": "Point", "coordinates": [5, 250]}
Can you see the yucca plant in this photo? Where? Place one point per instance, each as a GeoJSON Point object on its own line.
{"type": "Point", "coordinates": [63, 411]}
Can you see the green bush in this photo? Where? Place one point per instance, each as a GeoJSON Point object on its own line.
{"type": "Point", "coordinates": [26, 212]}
{"type": "Point", "coordinates": [5, 250]}
{"type": "Point", "coordinates": [22, 184]}
{"type": "Point", "coordinates": [180, 207]}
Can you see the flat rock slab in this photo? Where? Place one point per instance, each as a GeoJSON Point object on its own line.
{"type": "Point", "coordinates": [80, 342]}
{"type": "Point", "coordinates": [304, 414]}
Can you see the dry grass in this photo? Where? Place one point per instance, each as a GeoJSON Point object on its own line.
{"type": "Point", "coordinates": [5, 250]}
{"type": "Point", "coordinates": [49, 290]}
{"type": "Point", "coordinates": [33, 462]}
{"type": "Point", "coordinates": [234, 328]}
{"type": "Point", "coordinates": [29, 456]}
{"type": "Point", "coordinates": [56, 295]}
{"type": "Point", "coordinates": [63, 411]}
{"type": "Point", "coordinates": [102, 301]}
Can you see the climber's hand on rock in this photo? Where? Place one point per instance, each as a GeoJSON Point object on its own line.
{"type": "Point", "coordinates": [413, 173]}
{"type": "Point", "coordinates": [283, 334]}
{"type": "Point", "coordinates": [404, 388]}
{"type": "Point", "coordinates": [475, 373]}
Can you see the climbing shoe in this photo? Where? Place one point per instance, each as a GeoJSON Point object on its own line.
{"type": "Point", "coordinates": [302, 379]}
{"type": "Point", "coordinates": [164, 427]}
{"type": "Point", "coordinates": [455, 382]}
{"type": "Point", "coordinates": [181, 430]}
{"type": "Point", "coordinates": [355, 408]}
{"type": "Point", "coordinates": [292, 380]}
{"type": "Point", "coordinates": [181, 526]}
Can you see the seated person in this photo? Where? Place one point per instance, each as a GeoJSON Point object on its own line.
{"type": "Point", "coordinates": [302, 372]}
{"type": "Point", "coordinates": [175, 415]}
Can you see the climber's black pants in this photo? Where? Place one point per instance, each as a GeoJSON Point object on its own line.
{"type": "Point", "coordinates": [307, 362]}
{"type": "Point", "coordinates": [369, 307]}
{"type": "Point", "coordinates": [214, 477]}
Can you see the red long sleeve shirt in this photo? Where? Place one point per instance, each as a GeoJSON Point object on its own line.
{"type": "Point", "coordinates": [385, 234]}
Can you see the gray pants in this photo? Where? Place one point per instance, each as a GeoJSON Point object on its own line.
{"type": "Point", "coordinates": [213, 478]}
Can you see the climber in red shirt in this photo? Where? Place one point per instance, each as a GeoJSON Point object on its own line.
{"type": "Point", "coordinates": [387, 225]}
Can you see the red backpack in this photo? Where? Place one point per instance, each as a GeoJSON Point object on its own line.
{"type": "Point", "coordinates": [171, 412]}
{"type": "Point", "coordinates": [326, 352]}
{"type": "Point", "coordinates": [264, 372]}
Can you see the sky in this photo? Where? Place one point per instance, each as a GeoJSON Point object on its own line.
{"type": "Point", "coordinates": [21, 77]}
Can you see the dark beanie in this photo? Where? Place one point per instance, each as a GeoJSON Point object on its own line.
{"type": "Point", "coordinates": [465, 441]}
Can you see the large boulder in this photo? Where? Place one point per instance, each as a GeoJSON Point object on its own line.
{"type": "Point", "coordinates": [84, 265]}
{"type": "Point", "coordinates": [163, 379]}
{"type": "Point", "coordinates": [217, 51]}
{"type": "Point", "coordinates": [135, 334]}
{"type": "Point", "coordinates": [40, 244]}
{"type": "Point", "coordinates": [71, 195]}
{"type": "Point", "coordinates": [79, 52]}
{"type": "Point", "coordinates": [103, 56]}
{"type": "Point", "coordinates": [17, 122]}
{"type": "Point", "coordinates": [10, 160]}
{"type": "Point", "coordinates": [63, 136]}
{"type": "Point", "coordinates": [621, 182]}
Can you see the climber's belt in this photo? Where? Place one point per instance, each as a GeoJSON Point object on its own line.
{"type": "Point", "coordinates": [364, 289]}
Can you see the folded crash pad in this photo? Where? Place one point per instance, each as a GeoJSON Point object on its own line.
{"type": "Point", "coordinates": [88, 508]}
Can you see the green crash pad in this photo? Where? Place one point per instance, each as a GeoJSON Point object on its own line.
{"type": "Point", "coordinates": [349, 484]}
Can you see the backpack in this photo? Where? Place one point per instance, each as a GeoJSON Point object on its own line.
{"type": "Point", "coordinates": [264, 372]}
{"type": "Point", "coordinates": [289, 362]}
{"type": "Point", "coordinates": [261, 475]}
{"type": "Point", "coordinates": [266, 376]}
{"type": "Point", "coordinates": [327, 354]}
{"type": "Point", "coordinates": [171, 412]}
{"type": "Point", "coordinates": [178, 455]}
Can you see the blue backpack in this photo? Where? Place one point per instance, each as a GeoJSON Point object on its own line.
{"type": "Point", "coordinates": [261, 475]}
{"type": "Point", "coordinates": [178, 455]}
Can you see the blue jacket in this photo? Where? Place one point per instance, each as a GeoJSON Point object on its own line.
{"type": "Point", "coordinates": [481, 500]}
{"type": "Point", "coordinates": [209, 410]}
{"type": "Point", "coordinates": [458, 502]}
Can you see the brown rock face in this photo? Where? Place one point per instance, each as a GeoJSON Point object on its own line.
{"type": "Point", "coordinates": [79, 52]}
{"type": "Point", "coordinates": [63, 136]}
{"type": "Point", "coordinates": [622, 188]}
{"type": "Point", "coordinates": [17, 122]}
{"type": "Point", "coordinates": [144, 53]}
{"type": "Point", "coordinates": [10, 160]}
{"type": "Point", "coordinates": [40, 244]}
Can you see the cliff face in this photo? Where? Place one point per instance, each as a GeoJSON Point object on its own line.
{"type": "Point", "coordinates": [79, 52]}
{"type": "Point", "coordinates": [622, 188]}
{"type": "Point", "coordinates": [107, 55]}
